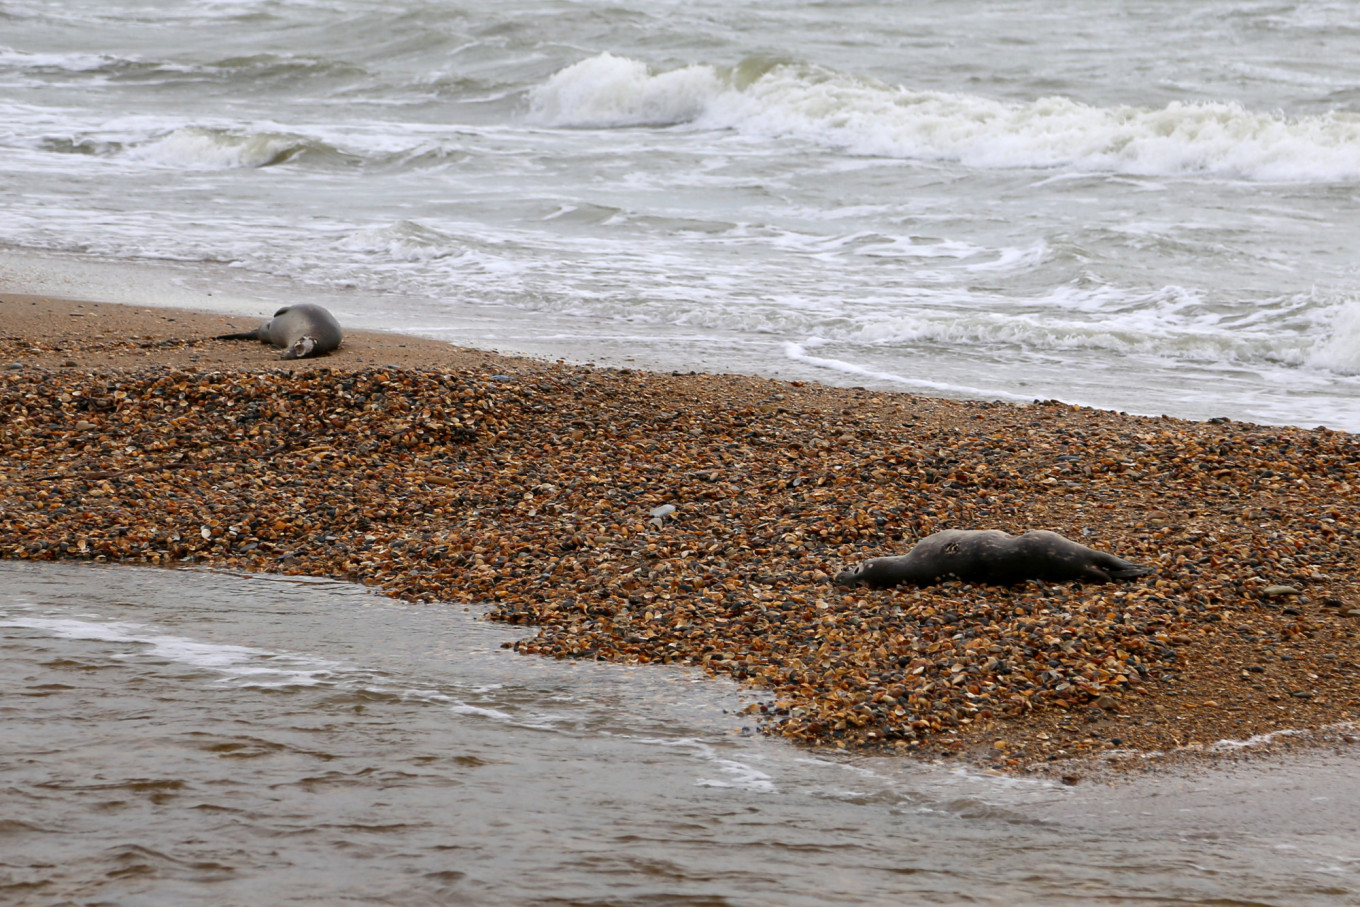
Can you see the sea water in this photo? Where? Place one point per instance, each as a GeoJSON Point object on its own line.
{"type": "Point", "coordinates": [188, 737]}
{"type": "Point", "coordinates": [1151, 206]}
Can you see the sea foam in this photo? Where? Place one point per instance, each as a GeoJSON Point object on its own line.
{"type": "Point", "coordinates": [870, 117]}
{"type": "Point", "coordinates": [253, 666]}
{"type": "Point", "coordinates": [198, 148]}
{"type": "Point", "coordinates": [1340, 351]}
{"type": "Point", "coordinates": [609, 91]}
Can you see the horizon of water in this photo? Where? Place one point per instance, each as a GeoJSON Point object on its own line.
{"type": "Point", "coordinates": [1133, 205]}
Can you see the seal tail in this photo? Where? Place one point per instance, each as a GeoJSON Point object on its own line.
{"type": "Point", "coordinates": [243, 335]}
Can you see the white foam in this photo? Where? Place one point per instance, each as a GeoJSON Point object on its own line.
{"type": "Point", "coordinates": [870, 117]}
{"type": "Point", "coordinates": [254, 667]}
{"type": "Point", "coordinates": [69, 62]}
{"type": "Point", "coordinates": [1340, 350]}
{"type": "Point", "coordinates": [798, 353]}
{"type": "Point", "coordinates": [478, 711]}
{"type": "Point", "coordinates": [404, 241]}
{"type": "Point", "coordinates": [741, 775]}
{"type": "Point", "coordinates": [608, 91]}
{"type": "Point", "coordinates": [197, 148]}
{"type": "Point", "coordinates": [1170, 323]}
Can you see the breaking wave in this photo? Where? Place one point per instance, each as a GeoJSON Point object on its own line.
{"type": "Point", "coordinates": [779, 99]}
{"type": "Point", "coordinates": [199, 148]}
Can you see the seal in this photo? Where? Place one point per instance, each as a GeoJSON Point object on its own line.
{"type": "Point", "coordinates": [991, 556]}
{"type": "Point", "coordinates": [299, 330]}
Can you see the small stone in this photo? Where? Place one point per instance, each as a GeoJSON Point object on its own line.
{"type": "Point", "coordinates": [534, 496]}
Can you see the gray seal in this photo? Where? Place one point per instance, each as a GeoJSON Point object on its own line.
{"type": "Point", "coordinates": [991, 556]}
{"type": "Point", "coordinates": [299, 330]}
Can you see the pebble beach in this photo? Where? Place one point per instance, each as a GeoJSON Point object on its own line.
{"type": "Point", "coordinates": [638, 517]}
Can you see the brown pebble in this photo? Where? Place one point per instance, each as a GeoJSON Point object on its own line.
{"type": "Point", "coordinates": [530, 488]}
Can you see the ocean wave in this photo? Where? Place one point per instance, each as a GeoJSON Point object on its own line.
{"type": "Point", "coordinates": [247, 71]}
{"type": "Point", "coordinates": [609, 91]}
{"type": "Point", "coordinates": [1173, 325]}
{"type": "Point", "coordinates": [202, 148]}
{"type": "Point", "coordinates": [798, 352]}
{"type": "Point", "coordinates": [246, 664]}
{"type": "Point", "coordinates": [284, 68]}
{"type": "Point", "coordinates": [1340, 350]}
{"type": "Point", "coordinates": [778, 99]}
{"type": "Point", "coordinates": [1044, 333]}
{"type": "Point", "coordinates": [41, 63]}
{"type": "Point", "coordinates": [404, 241]}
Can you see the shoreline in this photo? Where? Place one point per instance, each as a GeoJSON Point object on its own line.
{"type": "Point", "coordinates": [447, 474]}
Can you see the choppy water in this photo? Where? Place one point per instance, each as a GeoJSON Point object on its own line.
{"type": "Point", "coordinates": [1151, 206]}
{"type": "Point", "coordinates": [200, 738]}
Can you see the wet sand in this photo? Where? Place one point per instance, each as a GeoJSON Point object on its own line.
{"type": "Point", "coordinates": [452, 475]}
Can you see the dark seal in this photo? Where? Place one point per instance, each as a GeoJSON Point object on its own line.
{"type": "Point", "coordinates": [299, 330]}
{"type": "Point", "coordinates": [992, 556]}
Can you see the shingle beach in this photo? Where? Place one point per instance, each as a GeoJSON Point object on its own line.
{"type": "Point", "coordinates": [543, 491]}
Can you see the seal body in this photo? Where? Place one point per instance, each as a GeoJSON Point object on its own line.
{"type": "Point", "coordinates": [299, 330]}
{"type": "Point", "coordinates": [991, 556]}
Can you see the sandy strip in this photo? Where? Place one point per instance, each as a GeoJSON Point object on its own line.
{"type": "Point", "coordinates": [445, 474]}
{"type": "Point", "coordinates": [64, 333]}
